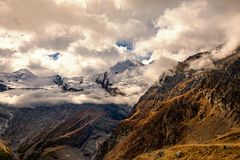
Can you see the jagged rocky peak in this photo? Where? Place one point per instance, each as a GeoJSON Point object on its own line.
{"type": "Point", "coordinates": [122, 66]}
{"type": "Point", "coordinates": [106, 83]}
{"type": "Point", "coordinates": [58, 80]}
{"type": "Point", "coordinates": [112, 81]}
{"type": "Point", "coordinates": [71, 87]}
{"type": "Point", "coordinates": [121, 73]}
{"type": "Point", "coordinates": [3, 87]}
{"type": "Point", "coordinates": [104, 80]}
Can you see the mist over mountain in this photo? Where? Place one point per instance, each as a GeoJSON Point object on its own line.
{"type": "Point", "coordinates": [121, 84]}
{"type": "Point", "coordinates": [119, 79]}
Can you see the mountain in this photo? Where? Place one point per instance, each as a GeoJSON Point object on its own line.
{"type": "Point", "coordinates": [190, 114]}
{"type": "Point", "coordinates": [24, 79]}
{"type": "Point", "coordinates": [115, 81]}
{"type": "Point", "coordinates": [120, 67]}
{"type": "Point", "coordinates": [22, 74]}
{"type": "Point", "coordinates": [59, 131]}
{"type": "Point", "coordinates": [46, 123]}
{"type": "Point", "coordinates": [124, 78]}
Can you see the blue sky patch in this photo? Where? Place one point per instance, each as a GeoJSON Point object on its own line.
{"type": "Point", "coordinates": [55, 56]}
{"type": "Point", "coordinates": [126, 44]}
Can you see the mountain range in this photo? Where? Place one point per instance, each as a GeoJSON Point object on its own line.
{"type": "Point", "coordinates": [188, 114]}
{"type": "Point", "coordinates": [39, 128]}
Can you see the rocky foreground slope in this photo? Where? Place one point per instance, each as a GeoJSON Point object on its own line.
{"type": "Point", "coordinates": [191, 114]}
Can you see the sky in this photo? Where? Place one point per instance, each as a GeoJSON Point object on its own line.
{"type": "Point", "coordinates": [78, 37]}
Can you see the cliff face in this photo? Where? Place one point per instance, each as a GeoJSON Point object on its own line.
{"type": "Point", "coordinates": [187, 108]}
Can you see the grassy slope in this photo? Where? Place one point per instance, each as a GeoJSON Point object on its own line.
{"type": "Point", "coordinates": [225, 147]}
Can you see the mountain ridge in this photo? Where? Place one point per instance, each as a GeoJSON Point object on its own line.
{"type": "Point", "coordinates": [187, 107]}
{"type": "Point", "coordinates": [104, 85]}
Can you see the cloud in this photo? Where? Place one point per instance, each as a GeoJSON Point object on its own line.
{"type": "Point", "coordinates": [55, 37]}
{"type": "Point", "coordinates": [84, 29]}
{"type": "Point", "coordinates": [21, 98]}
{"type": "Point", "coordinates": [85, 32]}
{"type": "Point", "coordinates": [158, 67]}
{"type": "Point", "coordinates": [6, 52]}
{"type": "Point", "coordinates": [204, 62]}
{"type": "Point", "coordinates": [193, 26]}
{"type": "Point", "coordinates": [5, 55]}
{"type": "Point", "coordinates": [36, 15]}
{"type": "Point", "coordinates": [8, 99]}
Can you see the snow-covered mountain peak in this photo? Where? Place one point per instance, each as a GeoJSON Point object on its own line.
{"type": "Point", "coordinates": [23, 74]}
{"type": "Point", "coordinates": [121, 80]}
{"type": "Point", "coordinates": [122, 66]}
{"type": "Point", "coordinates": [26, 71]}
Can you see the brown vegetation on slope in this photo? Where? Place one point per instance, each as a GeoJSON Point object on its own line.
{"type": "Point", "coordinates": [190, 107]}
{"type": "Point", "coordinates": [5, 152]}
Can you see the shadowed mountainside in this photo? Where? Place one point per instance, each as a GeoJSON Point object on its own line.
{"type": "Point", "coordinates": [60, 131]}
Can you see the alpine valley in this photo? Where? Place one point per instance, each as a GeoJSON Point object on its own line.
{"type": "Point", "coordinates": [119, 79]}
{"type": "Point", "coordinates": [80, 117]}
{"type": "Point", "coordinates": [189, 113]}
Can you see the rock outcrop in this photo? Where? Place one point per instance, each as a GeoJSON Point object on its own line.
{"type": "Point", "coordinates": [106, 84]}
{"type": "Point", "coordinates": [3, 87]}
{"type": "Point", "coordinates": [58, 80]}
